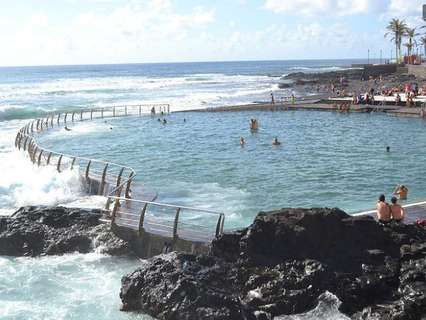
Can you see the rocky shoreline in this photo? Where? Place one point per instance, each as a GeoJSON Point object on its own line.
{"type": "Point", "coordinates": [286, 262]}
{"type": "Point", "coordinates": [282, 264]}
{"type": "Point", "coordinates": [355, 80]}
{"type": "Point", "coordinates": [40, 230]}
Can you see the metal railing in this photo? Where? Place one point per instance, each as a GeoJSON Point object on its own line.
{"type": "Point", "coordinates": [114, 180]}
{"type": "Point", "coordinates": [101, 177]}
{"type": "Point", "coordinates": [169, 220]}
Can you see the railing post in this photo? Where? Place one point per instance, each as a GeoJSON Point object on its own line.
{"type": "Point", "coordinates": [16, 139]}
{"type": "Point", "coordinates": [219, 221]}
{"type": "Point", "coordinates": [39, 157]}
{"type": "Point", "coordinates": [29, 150]}
{"type": "Point", "coordinates": [102, 186]}
{"type": "Point", "coordinates": [118, 182]}
{"type": "Point", "coordinates": [58, 167]}
{"type": "Point", "coordinates": [48, 158]}
{"type": "Point", "coordinates": [72, 117]}
{"type": "Point", "coordinates": [34, 153]}
{"type": "Point", "coordinates": [222, 223]}
{"type": "Point", "coordinates": [87, 169]}
{"type": "Point", "coordinates": [19, 141]}
{"type": "Point", "coordinates": [59, 117]}
{"type": "Point", "coordinates": [65, 118]}
{"type": "Point", "coordinates": [168, 108]}
{"type": "Point", "coordinates": [38, 123]}
{"type": "Point", "coordinates": [113, 111]}
{"type": "Point", "coordinates": [114, 210]}
{"type": "Point", "coordinates": [142, 218]}
{"type": "Point", "coordinates": [51, 120]}
{"type": "Point", "coordinates": [108, 203]}
{"type": "Point", "coordinates": [25, 143]}
{"type": "Point", "coordinates": [125, 110]}
{"type": "Point", "coordinates": [102, 113]}
{"type": "Point", "coordinates": [127, 194]}
{"type": "Point", "coordinates": [81, 115]}
{"type": "Point", "coordinates": [72, 163]}
{"type": "Point", "coordinates": [91, 114]}
{"type": "Point", "coordinates": [32, 126]}
{"type": "Point", "coordinates": [175, 225]}
{"type": "Point", "coordinates": [140, 110]}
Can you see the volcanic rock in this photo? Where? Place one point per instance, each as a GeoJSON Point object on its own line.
{"type": "Point", "coordinates": [282, 264]}
{"type": "Point", "coordinates": [33, 231]}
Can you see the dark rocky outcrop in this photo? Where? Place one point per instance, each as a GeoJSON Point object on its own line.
{"type": "Point", "coordinates": [282, 264]}
{"type": "Point", "coordinates": [33, 231]}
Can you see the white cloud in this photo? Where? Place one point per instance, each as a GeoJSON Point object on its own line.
{"type": "Point", "coordinates": [137, 32]}
{"type": "Point", "coordinates": [406, 8]}
{"type": "Point", "coordinates": [327, 7]}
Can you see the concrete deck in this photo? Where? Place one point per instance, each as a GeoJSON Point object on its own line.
{"type": "Point", "coordinates": [413, 212]}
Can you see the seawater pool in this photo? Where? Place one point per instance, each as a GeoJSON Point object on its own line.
{"type": "Point", "coordinates": [326, 158]}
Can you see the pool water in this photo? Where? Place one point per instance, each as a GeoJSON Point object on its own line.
{"type": "Point", "coordinates": [325, 159]}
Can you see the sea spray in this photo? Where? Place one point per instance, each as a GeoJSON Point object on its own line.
{"type": "Point", "coordinates": [22, 183]}
{"type": "Point", "coordinates": [327, 308]}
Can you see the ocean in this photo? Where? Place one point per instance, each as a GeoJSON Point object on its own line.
{"type": "Point", "coordinates": [326, 159]}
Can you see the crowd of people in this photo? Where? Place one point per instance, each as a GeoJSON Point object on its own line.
{"type": "Point", "coordinates": [374, 87]}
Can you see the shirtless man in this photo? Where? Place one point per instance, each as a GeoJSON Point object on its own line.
{"type": "Point", "coordinates": [383, 210]}
{"type": "Point", "coordinates": [397, 212]}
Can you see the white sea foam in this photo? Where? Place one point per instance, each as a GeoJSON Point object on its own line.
{"type": "Point", "coordinates": [327, 309]}
{"type": "Point", "coordinates": [22, 183]}
{"type": "Point", "coordinates": [87, 202]}
{"type": "Point", "coordinates": [91, 84]}
{"type": "Point", "coordinates": [72, 286]}
{"type": "Point", "coordinates": [319, 69]}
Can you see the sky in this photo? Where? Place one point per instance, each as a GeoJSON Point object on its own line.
{"type": "Point", "coordinates": [50, 32]}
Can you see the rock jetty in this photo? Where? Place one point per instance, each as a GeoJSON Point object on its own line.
{"type": "Point", "coordinates": [282, 264]}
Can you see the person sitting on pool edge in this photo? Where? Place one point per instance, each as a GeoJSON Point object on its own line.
{"type": "Point", "coordinates": [383, 210]}
{"type": "Point", "coordinates": [397, 212]}
{"type": "Point", "coordinates": [275, 142]}
{"type": "Point", "coordinates": [401, 191]}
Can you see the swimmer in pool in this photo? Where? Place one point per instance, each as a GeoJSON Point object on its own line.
{"type": "Point", "coordinates": [401, 191]}
{"type": "Point", "coordinates": [242, 142]}
{"type": "Point", "coordinates": [275, 142]}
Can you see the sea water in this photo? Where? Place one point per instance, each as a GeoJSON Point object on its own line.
{"type": "Point", "coordinates": [325, 159]}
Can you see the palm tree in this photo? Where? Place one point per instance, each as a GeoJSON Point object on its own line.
{"type": "Point", "coordinates": [397, 29]}
{"type": "Point", "coordinates": [411, 34]}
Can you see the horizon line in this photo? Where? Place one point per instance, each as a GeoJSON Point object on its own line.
{"type": "Point", "coordinates": [184, 62]}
